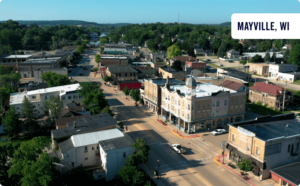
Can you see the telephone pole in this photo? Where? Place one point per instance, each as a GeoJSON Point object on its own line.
{"type": "Point", "coordinates": [284, 98]}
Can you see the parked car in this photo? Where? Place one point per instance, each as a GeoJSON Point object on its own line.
{"type": "Point", "coordinates": [218, 131]}
{"type": "Point", "coordinates": [178, 148]}
{"type": "Point", "coordinates": [84, 68]}
{"type": "Point", "coordinates": [221, 65]}
{"type": "Point", "coordinates": [80, 74]}
{"type": "Point", "coordinates": [230, 61]}
{"type": "Point", "coordinates": [298, 116]}
{"type": "Point", "coordinates": [208, 60]}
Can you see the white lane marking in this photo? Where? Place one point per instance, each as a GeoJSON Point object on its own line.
{"type": "Point", "coordinates": [202, 141]}
{"type": "Point", "coordinates": [205, 146]}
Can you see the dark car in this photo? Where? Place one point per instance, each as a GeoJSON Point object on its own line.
{"type": "Point", "coordinates": [84, 68]}
{"type": "Point", "coordinates": [230, 61]}
{"type": "Point", "coordinates": [80, 74]}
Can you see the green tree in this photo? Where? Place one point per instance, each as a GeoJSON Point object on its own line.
{"type": "Point", "coordinates": [216, 45]}
{"type": "Point", "coordinates": [245, 165]}
{"type": "Point", "coordinates": [12, 123]}
{"type": "Point", "coordinates": [97, 59]}
{"type": "Point", "coordinates": [177, 65]}
{"type": "Point", "coordinates": [78, 176]}
{"type": "Point", "coordinates": [294, 57]}
{"type": "Point", "coordinates": [135, 94]}
{"type": "Point", "coordinates": [173, 50]}
{"type": "Point", "coordinates": [126, 91]}
{"type": "Point", "coordinates": [277, 44]}
{"type": "Point", "coordinates": [221, 50]}
{"type": "Point", "coordinates": [80, 49]}
{"type": "Point", "coordinates": [28, 112]}
{"type": "Point", "coordinates": [103, 40]}
{"type": "Point", "coordinates": [52, 109]}
{"type": "Point", "coordinates": [267, 57]}
{"type": "Point", "coordinates": [107, 110]}
{"type": "Point", "coordinates": [286, 55]}
{"type": "Point", "coordinates": [257, 58]}
{"type": "Point", "coordinates": [52, 79]}
{"type": "Point", "coordinates": [274, 56]}
{"type": "Point", "coordinates": [243, 62]}
{"type": "Point", "coordinates": [87, 87]}
{"type": "Point", "coordinates": [95, 101]}
{"type": "Point", "coordinates": [101, 50]}
{"type": "Point", "coordinates": [142, 150]}
{"type": "Point", "coordinates": [265, 46]}
{"type": "Point", "coordinates": [106, 78]}
{"type": "Point", "coordinates": [32, 164]}
{"type": "Point", "coordinates": [4, 95]}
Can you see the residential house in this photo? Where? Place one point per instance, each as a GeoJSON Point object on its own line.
{"type": "Point", "coordinates": [195, 108]}
{"type": "Point", "coordinates": [267, 142]}
{"type": "Point", "coordinates": [121, 72]}
{"type": "Point", "coordinates": [287, 174]}
{"type": "Point", "coordinates": [259, 68]}
{"type": "Point", "coordinates": [268, 93]}
{"type": "Point", "coordinates": [165, 72]}
{"type": "Point", "coordinates": [67, 94]}
{"type": "Point", "coordinates": [152, 91]}
{"type": "Point", "coordinates": [182, 60]}
{"type": "Point", "coordinates": [233, 54]}
{"type": "Point", "coordinates": [201, 52]}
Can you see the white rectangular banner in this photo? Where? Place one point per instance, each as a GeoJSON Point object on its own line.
{"type": "Point", "coordinates": [265, 26]}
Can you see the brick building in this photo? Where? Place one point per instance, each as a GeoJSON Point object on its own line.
{"type": "Point", "coordinates": [122, 60]}
{"type": "Point", "coordinates": [165, 72]}
{"type": "Point", "coordinates": [121, 72]}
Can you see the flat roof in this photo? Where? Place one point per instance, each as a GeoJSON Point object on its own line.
{"type": "Point", "coordinates": [202, 90]}
{"type": "Point", "coordinates": [289, 172]}
{"type": "Point", "coordinates": [17, 97]}
{"type": "Point", "coordinates": [116, 143]}
{"type": "Point", "coordinates": [94, 137]}
{"type": "Point", "coordinates": [161, 81]}
{"type": "Point", "coordinates": [262, 54]}
{"type": "Point", "coordinates": [113, 57]}
{"type": "Point", "coordinates": [16, 56]}
{"type": "Point", "coordinates": [274, 129]}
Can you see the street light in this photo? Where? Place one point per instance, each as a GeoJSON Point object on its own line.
{"type": "Point", "coordinates": [158, 169]}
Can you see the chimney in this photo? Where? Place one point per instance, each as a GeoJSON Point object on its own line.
{"type": "Point", "coordinates": [167, 80]}
{"type": "Point", "coordinates": [74, 124]}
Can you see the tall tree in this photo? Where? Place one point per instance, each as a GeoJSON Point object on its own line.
{"type": "Point", "coordinates": [274, 56]}
{"type": "Point", "coordinates": [216, 45]}
{"type": "Point", "coordinates": [277, 44]}
{"type": "Point", "coordinates": [126, 91]}
{"type": "Point", "coordinates": [267, 57]}
{"type": "Point", "coordinates": [12, 123]}
{"type": "Point", "coordinates": [97, 59]}
{"type": "Point", "coordinates": [173, 50]}
{"type": "Point", "coordinates": [265, 46]}
{"type": "Point", "coordinates": [257, 58]}
{"type": "Point", "coordinates": [286, 55]}
{"type": "Point", "coordinates": [95, 101]}
{"type": "Point", "coordinates": [107, 110]}
{"type": "Point", "coordinates": [106, 78]}
{"type": "Point", "coordinates": [294, 57]}
{"type": "Point", "coordinates": [28, 112]}
{"type": "Point", "coordinates": [142, 150]}
{"type": "Point", "coordinates": [52, 108]}
{"type": "Point", "coordinates": [87, 87]}
{"type": "Point", "coordinates": [222, 50]}
{"type": "Point", "coordinates": [53, 79]}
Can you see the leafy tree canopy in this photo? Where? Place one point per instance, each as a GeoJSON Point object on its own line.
{"type": "Point", "coordinates": [53, 79]}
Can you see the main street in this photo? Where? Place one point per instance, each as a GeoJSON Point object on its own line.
{"type": "Point", "coordinates": [196, 167]}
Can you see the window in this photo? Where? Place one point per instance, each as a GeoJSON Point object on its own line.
{"type": "Point", "coordinates": [33, 97]}
{"type": "Point", "coordinates": [242, 99]}
{"type": "Point", "coordinates": [198, 114]}
{"type": "Point", "coordinates": [86, 159]}
{"type": "Point", "coordinates": [204, 105]}
{"type": "Point", "coordinates": [241, 108]}
{"type": "Point", "coordinates": [188, 116]}
{"type": "Point", "coordinates": [208, 105]}
{"type": "Point", "coordinates": [237, 100]}
{"type": "Point", "coordinates": [124, 154]}
{"type": "Point", "coordinates": [69, 97]}
{"type": "Point", "coordinates": [192, 106]}
{"type": "Point", "coordinates": [257, 151]}
{"type": "Point", "coordinates": [92, 148]}
{"type": "Point", "coordinates": [236, 108]}
{"type": "Point", "coordinates": [198, 105]}
{"type": "Point", "coordinates": [225, 111]}
{"type": "Point", "coordinates": [218, 103]}
{"type": "Point", "coordinates": [18, 108]}
{"type": "Point", "coordinates": [217, 113]}
{"type": "Point", "coordinates": [125, 74]}
{"type": "Point", "coordinates": [131, 74]}
{"type": "Point", "coordinates": [213, 103]}
{"type": "Point", "coordinates": [297, 147]}
{"type": "Point", "coordinates": [85, 149]}
{"type": "Point", "coordinates": [248, 148]}
{"type": "Point", "coordinates": [250, 93]}
{"type": "Point", "coordinates": [97, 148]}
{"type": "Point", "coordinates": [231, 100]}
{"type": "Point", "coordinates": [289, 148]}
{"type": "Point", "coordinates": [204, 113]}
{"type": "Point", "coordinates": [74, 96]}
{"type": "Point", "coordinates": [225, 102]}
{"type": "Point", "coordinates": [207, 113]}
{"type": "Point", "coordinates": [189, 107]}
{"type": "Point", "coordinates": [233, 137]}
{"type": "Point", "coordinates": [46, 98]}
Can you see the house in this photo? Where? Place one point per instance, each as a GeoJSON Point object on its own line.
{"type": "Point", "coordinates": [233, 54]}
{"type": "Point", "coordinates": [114, 60]}
{"type": "Point", "coordinates": [268, 142]}
{"type": "Point", "coordinates": [287, 174]}
{"type": "Point", "coordinates": [275, 69]}
{"type": "Point", "coordinates": [239, 87]}
{"type": "Point", "coordinates": [165, 72]}
{"type": "Point", "coordinates": [191, 65]}
{"type": "Point", "coordinates": [84, 124]}
{"type": "Point", "coordinates": [130, 84]}
{"type": "Point", "coordinates": [268, 93]}
{"type": "Point", "coordinates": [195, 108]}
{"type": "Point", "coordinates": [121, 72]}
{"type": "Point", "coordinates": [67, 94]}
{"type": "Point", "coordinates": [224, 72]}
{"type": "Point", "coordinates": [113, 153]}
{"type": "Point", "coordinates": [259, 68]}
{"type": "Point", "coordinates": [152, 91]}
{"type": "Point", "coordinates": [201, 52]}
{"type": "Point", "coordinates": [182, 60]}
{"type": "Point", "coordinates": [97, 150]}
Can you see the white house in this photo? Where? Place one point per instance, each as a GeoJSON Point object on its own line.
{"type": "Point", "coordinates": [66, 93]}
{"type": "Point", "coordinates": [233, 54]}
{"type": "Point", "coordinates": [114, 152]}
{"type": "Point", "coordinates": [274, 69]}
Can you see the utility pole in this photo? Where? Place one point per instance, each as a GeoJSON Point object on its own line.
{"type": "Point", "coordinates": [284, 98]}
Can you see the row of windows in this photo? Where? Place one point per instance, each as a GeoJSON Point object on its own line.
{"type": "Point", "coordinates": [125, 74]}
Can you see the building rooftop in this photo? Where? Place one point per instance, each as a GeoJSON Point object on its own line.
{"type": "Point", "coordinates": [202, 90]}
{"type": "Point", "coordinates": [269, 88]}
{"type": "Point", "coordinates": [289, 172]}
{"type": "Point", "coordinates": [62, 122]}
{"type": "Point", "coordinates": [171, 70]}
{"type": "Point", "coordinates": [113, 57]}
{"type": "Point", "coordinates": [116, 143]}
{"type": "Point", "coordinates": [232, 85]}
{"type": "Point", "coordinates": [120, 69]}
{"type": "Point", "coordinates": [161, 81]}
{"type": "Point", "coordinates": [65, 146]}
{"type": "Point", "coordinates": [86, 124]}
{"type": "Point", "coordinates": [16, 56]}
{"type": "Point", "coordinates": [42, 60]}
{"type": "Point", "coordinates": [94, 137]}
{"type": "Point", "coordinates": [184, 58]}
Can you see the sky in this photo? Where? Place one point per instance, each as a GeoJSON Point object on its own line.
{"type": "Point", "coordinates": [137, 11]}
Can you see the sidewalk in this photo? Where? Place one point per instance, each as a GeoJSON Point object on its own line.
{"type": "Point", "coordinates": [150, 172]}
{"type": "Point", "coordinates": [250, 180]}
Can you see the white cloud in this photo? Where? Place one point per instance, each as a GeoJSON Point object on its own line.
{"type": "Point", "coordinates": [1, 0]}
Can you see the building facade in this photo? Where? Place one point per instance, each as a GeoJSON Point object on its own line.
{"type": "Point", "coordinates": [121, 73]}
{"type": "Point", "coordinates": [194, 108]}
{"type": "Point", "coordinates": [165, 72]}
{"type": "Point", "coordinates": [259, 68]}
{"type": "Point", "coordinates": [275, 69]}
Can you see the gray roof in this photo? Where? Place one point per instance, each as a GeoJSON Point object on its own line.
{"type": "Point", "coordinates": [289, 172]}
{"type": "Point", "coordinates": [66, 145]}
{"type": "Point", "coordinates": [86, 124]}
{"type": "Point", "coordinates": [146, 71]}
{"type": "Point", "coordinates": [161, 81]}
{"type": "Point", "coordinates": [232, 51]}
{"type": "Point", "coordinates": [196, 72]}
{"type": "Point", "coordinates": [191, 82]}
{"type": "Point", "coordinates": [116, 143]}
{"type": "Point", "coordinates": [120, 68]}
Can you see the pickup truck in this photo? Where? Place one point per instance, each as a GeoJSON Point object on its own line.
{"type": "Point", "coordinates": [178, 148]}
{"type": "Point", "coordinates": [218, 131]}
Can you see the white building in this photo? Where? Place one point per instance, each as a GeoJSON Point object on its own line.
{"type": "Point", "coordinates": [107, 148]}
{"type": "Point", "coordinates": [66, 93]}
{"type": "Point", "coordinates": [274, 69]}
{"type": "Point", "coordinates": [288, 76]}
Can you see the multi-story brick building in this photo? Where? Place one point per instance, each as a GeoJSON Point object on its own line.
{"type": "Point", "coordinates": [191, 65]}
{"type": "Point", "coordinates": [165, 72]}
{"type": "Point", "coordinates": [182, 60]}
{"type": "Point", "coordinates": [121, 60]}
{"type": "Point", "coordinates": [268, 93]}
{"type": "Point", "coordinates": [152, 91]}
{"type": "Point", "coordinates": [121, 72]}
{"type": "Point", "coordinates": [193, 107]}
{"type": "Point", "coordinates": [259, 68]}
{"type": "Point", "coordinates": [267, 142]}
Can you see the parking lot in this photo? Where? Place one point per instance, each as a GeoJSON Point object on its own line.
{"type": "Point", "coordinates": [214, 60]}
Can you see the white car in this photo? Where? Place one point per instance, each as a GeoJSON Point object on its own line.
{"type": "Point", "coordinates": [178, 148]}
{"type": "Point", "coordinates": [298, 116]}
{"type": "Point", "coordinates": [218, 131]}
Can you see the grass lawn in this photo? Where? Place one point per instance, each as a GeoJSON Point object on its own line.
{"type": "Point", "coordinates": [22, 139]}
{"type": "Point", "coordinates": [292, 90]}
{"type": "Point", "coordinates": [297, 82]}
{"type": "Point", "coordinates": [264, 110]}
{"type": "Point", "coordinates": [213, 65]}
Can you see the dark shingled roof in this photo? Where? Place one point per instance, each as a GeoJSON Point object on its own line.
{"type": "Point", "coordinates": [289, 172]}
{"type": "Point", "coordinates": [120, 68]}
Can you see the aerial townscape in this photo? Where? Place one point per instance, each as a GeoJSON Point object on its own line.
{"type": "Point", "coordinates": [165, 103]}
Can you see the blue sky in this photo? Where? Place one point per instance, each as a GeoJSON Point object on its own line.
{"type": "Point", "coordinates": [140, 11]}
